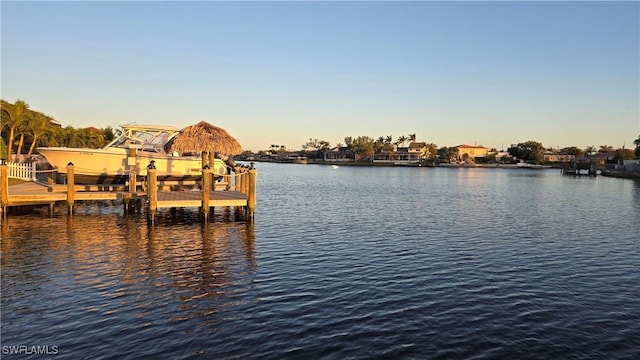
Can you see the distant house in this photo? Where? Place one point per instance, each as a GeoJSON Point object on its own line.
{"type": "Point", "coordinates": [414, 153]}
{"type": "Point", "coordinates": [339, 154]}
{"type": "Point", "coordinates": [604, 156]}
{"type": "Point", "coordinates": [420, 149]}
{"type": "Point", "coordinates": [500, 154]}
{"type": "Point", "coordinates": [472, 151]}
{"type": "Point", "coordinates": [550, 156]}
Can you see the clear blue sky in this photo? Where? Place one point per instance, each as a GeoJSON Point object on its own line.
{"type": "Point", "coordinates": [493, 73]}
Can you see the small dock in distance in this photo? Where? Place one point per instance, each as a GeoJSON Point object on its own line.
{"type": "Point", "coordinates": [232, 190]}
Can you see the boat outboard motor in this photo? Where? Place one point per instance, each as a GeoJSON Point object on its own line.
{"type": "Point", "coordinates": [227, 160]}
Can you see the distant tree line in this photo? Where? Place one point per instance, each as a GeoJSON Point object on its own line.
{"type": "Point", "coordinates": [533, 151]}
{"type": "Point", "coordinates": [24, 129]}
{"type": "Point", "coordinates": [529, 151]}
{"type": "Point", "coordinates": [363, 146]}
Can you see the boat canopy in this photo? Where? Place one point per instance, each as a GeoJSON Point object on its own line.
{"type": "Point", "coordinates": [167, 128]}
{"type": "Point", "coordinates": [149, 137]}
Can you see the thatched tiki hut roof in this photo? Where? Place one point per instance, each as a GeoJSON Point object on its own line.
{"type": "Point", "coordinates": [204, 137]}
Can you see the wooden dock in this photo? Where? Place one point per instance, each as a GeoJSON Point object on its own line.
{"type": "Point", "coordinates": [206, 195]}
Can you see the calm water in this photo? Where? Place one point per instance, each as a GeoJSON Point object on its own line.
{"type": "Point", "coordinates": [345, 263]}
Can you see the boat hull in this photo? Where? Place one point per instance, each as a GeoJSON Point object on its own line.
{"type": "Point", "coordinates": [112, 166]}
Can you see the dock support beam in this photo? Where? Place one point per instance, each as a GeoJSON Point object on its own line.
{"type": "Point", "coordinates": [152, 191]}
{"type": "Point", "coordinates": [251, 196]}
{"type": "Point", "coordinates": [226, 178]}
{"type": "Point", "coordinates": [4, 184]}
{"type": "Point", "coordinates": [245, 183]}
{"type": "Point", "coordinates": [132, 153]}
{"type": "Point", "coordinates": [239, 179]}
{"type": "Point", "coordinates": [50, 182]}
{"type": "Point", "coordinates": [212, 161]}
{"type": "Point", "coordinates": [206, 191]}
{"type": "Point", "coordinates": [71, 189]}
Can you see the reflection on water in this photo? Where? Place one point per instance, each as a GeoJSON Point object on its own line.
{"type": "Point", "coordinates": [81, 273]}
{"type": "Point", "coordinates": [346, 263]}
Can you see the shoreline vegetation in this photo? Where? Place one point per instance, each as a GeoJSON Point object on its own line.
{"type": "Point", "coordinates": [390, 164]}
{"type": "Point", "coordinates": [24, 129]}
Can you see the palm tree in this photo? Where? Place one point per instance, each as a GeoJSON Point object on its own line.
{"type": "Point", "coordinates": [21, 129]}
{"type": "Point", "coordinates": [453, 152]}
{"type": "Point", "coordinates": [411, 138]}
{"type": "Point", "coordinates": [590, 150]}
{"type": "Point", "coordinates": [606, 148]}
{"type": "Point", "coordinates": [378, 145]}
{"type": "Point", "coordinates": [3, 149]}
{"type": "Point", "coordinates": [38, 126]}
{"type": "Point", "coordinates": [388, 139]}
{"type": "Point", "coordinates": [65, 136]}
{"type": "Point", "coordinates": [87, 137]}
{"type": "Point", "coordinates": [52, 137]}
{"type": "Point", "coordinates": [13, 117]}
{"type": "Point", "coordinates": [432, 150]}
{"type": "Point", "coordinates": [402, 139]}
{"type": "Point", "coordinates": [110, 134]}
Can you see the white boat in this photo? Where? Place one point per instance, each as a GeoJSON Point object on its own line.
{"type": "Point", "coordinates": [301, 160]}
{"type": "Point", "coordinates": [113, 163]}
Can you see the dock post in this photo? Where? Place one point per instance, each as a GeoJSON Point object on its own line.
{"type": "Point", "coordinates": [236, 178]}
{"type": "Point", "coordinates": [50, 181]}
{"type": "Point", "coordinates": [4, 182]}
{"type": "Point", "coordinates": [246, 182]}
{"type": "Point", "coordinates": [243, 180]}
{"type": "Point", "coordinates": [212, 162]}
{"type": "Point", "coordinates": [206, 191]}
{"type": "Point", "coordinates": [205, 157]}
{"type": "Point", "coordinates": [251, 200]}
{"type": "Point", "coordinates": [133, 169]}
{"type": "Point", "coordinates": [152, 191]}
{"type": "Point", "coordinates": [227, 179]}
{"type": "Point", "coordinates": [70, 187]}
{"type": "Point", "coordinates": [128, 202]}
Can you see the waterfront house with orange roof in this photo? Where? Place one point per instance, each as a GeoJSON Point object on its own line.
{"type": "Point", "coordinates": [472, 151]}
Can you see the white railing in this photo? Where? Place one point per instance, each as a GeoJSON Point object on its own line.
{"type": "Point", "coordinates": [25, 171]}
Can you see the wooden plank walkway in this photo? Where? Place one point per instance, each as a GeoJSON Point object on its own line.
{"type": "Point", "coordinates": [33, 193]}
{"type": "Point", "coordinates": [194, 198]}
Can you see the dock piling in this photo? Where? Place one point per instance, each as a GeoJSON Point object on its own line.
{"type": "Point", "coordinates": [152, 191]}
{"type": "Point", "coordinates": [71, 189]}
{"type": "Point", "coordinates": [251, 200]}
{"type": "Point", "coordinates": [246, 183]}
{"type": "Point", "coordinates": [50, 182]}
{"type": "Point", "coordinates": [212, 160]}
{"type": "Point", "coordinates": [133, 169]}
{"type": "Point", "coordinates": [206, 191]}
{"type": "Point", "coordinates": [4, 182]}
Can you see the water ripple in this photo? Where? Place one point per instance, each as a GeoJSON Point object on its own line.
{"type": "Point", "coordinates": [354, 263]}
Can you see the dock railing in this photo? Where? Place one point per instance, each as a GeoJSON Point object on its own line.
{"type": "Point", "coordinates": [26, 171]}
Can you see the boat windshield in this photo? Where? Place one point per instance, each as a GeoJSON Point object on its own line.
{"type": "Point", "coordinates": [149, 139]}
